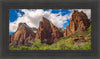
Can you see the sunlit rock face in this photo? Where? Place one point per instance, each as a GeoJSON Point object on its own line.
{"type": "Point", "coordinates": [47, 32]}
{"type": "Point", "coordinates": [23, 35]}
{"type": "Point", "coordinates": [78, 22]}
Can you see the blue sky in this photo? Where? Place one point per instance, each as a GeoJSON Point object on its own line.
{"type": "Point", "coordinates": [14, 14]}
{"type": "Point", "coordinates": [32, 17]}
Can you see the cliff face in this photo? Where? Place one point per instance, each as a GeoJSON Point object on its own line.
{"type": "Point", "coordinates": [47, 32]}
{"type": "Point", "coordinates": [23, 34]}
{"type": "Point", "coordinates": [78, 22]}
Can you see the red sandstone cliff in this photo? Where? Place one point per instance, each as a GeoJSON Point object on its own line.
{"type": "Point", "coordinates": [47, 32]}
{"type": "Point", "coordinates": [22, 36]}
{"type": "Point", "coordinates": [78, 22]}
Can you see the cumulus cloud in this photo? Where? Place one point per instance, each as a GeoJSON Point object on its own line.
{"type": "Point", "coordinates": [32, 17]}
{"type": "Point", "coordinates": [19, 15]}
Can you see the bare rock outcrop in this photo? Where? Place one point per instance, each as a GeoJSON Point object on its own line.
{"type": "Point", "coordinates": [47, 32]}
{"type": "Point", "coordinates": [23, 35]}
{"type": "Point", "coordinates": [78, 22]}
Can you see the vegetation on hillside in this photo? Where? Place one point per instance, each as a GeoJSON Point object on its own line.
{"type": "Point", "coordinates": [64, 43]}
{"type": "Point", "coordinates": [61, 45]}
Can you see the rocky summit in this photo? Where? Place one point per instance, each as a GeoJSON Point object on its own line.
{"type": "Point", "coordinates": [23, 35]}
{"type": "Point", "coordinates": [78, 22]}
{"type": "Point", "coordinates": [47, 32]}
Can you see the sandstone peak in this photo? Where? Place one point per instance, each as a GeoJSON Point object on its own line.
{"type": "Point", "coordinates": [44, 19]}
{"type": "Point", "coordinates": [75, 11]}
{"type": "Point", "coordinates": [22, 26]}
{"type": "Point", "coordinates": [78, 22]}
{"type": "Point", "coordinates": [82, 12]}
{"type": "Point", "coordinates": [47, 32]}
{"type": "Point", "coordinates": [22, 36]}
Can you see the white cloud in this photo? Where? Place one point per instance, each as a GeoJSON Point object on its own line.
{"type": "Point", "coordinates": [19, 15]}
{"type": "Point", "coordinates": [32, 17]}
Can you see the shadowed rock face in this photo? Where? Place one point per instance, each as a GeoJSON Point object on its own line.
{"type": "Point", "coordinates": [23, 34]}
{"type": "Point", "coordinates": [78, 22]}
{"type": "Point", "coordinates": [47, 32]}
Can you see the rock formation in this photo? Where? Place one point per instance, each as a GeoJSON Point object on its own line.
{"type": "Point", "coordinates": [22, 36]}
{"type": "Point", "coordinates": [79, 39]}
{"type": "Point", "coordinates": [47, 32]}
{"type": "Point", "coordinates": [78, 22]}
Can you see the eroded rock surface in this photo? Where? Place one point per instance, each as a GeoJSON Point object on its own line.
{"type": "Point", "coordinates": [23, 35]}
{"type": "Point", "coordinates": [47, 32]}
{"type": "Point", "coordinates": [78, 22]}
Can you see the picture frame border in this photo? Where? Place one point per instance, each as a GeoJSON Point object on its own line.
{"type": "Point", "coordinates": [49, 5]}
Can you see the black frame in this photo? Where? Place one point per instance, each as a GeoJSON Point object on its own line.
{"type": "Point", "coordinates": [48, 5]}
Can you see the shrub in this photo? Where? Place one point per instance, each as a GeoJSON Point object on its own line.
{"type": "Point", "coordinates": [24, 48]}
{"type": "Point", "coordinates": [89, 35]}
{"type": "Point", "coordinates": [59, 45]}
{"type": "Point", "coordinates": [89, 29]}
{"type": "Point", "coordinates": [12, 48]}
